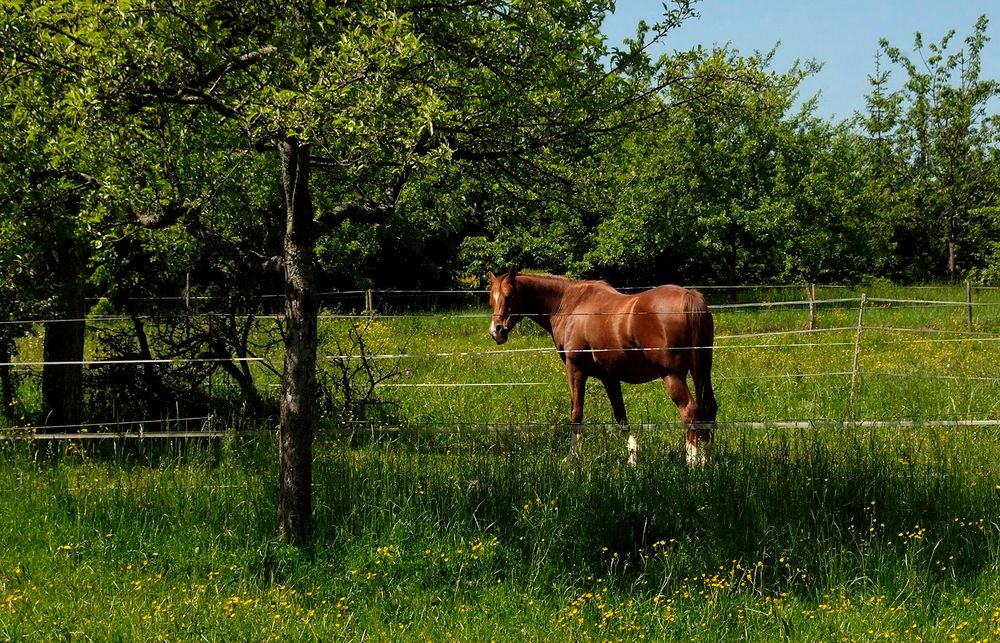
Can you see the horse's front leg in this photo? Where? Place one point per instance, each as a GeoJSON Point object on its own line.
{"type": "Point", "coordinates": [577, 389]}
{"type": "Point", "coordinates": [697, 439]}
{"type": "Point", "coordinates": [614, 390]}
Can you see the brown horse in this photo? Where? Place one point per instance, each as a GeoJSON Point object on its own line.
{"type": "Point", "coordinates": [599, 332]}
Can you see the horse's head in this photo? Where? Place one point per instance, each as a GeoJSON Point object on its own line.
{"type": "Point", "coordinates": [507, 309]}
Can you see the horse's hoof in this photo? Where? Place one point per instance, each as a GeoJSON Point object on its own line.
{"type": "Point", "coordinates": [697, 461]}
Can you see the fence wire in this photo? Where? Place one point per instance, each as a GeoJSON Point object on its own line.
{"type": "Point", "coordinates": [364, 315]}
{"type": "Point", "coordinates": [96, 433]}
{"type": "Point", "coordinates": [522, 351]}
{"type": "Point", "coordinates": [126, 428]}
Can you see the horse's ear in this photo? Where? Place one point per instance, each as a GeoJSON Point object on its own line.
{"type": "Point", "coordinates": [491, 276]}
{"type": "Point", "coordinates": [512, 273]}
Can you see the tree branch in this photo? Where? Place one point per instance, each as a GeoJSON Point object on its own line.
{"type": "Point", "coordinates": [197, 91]}
{"type": "Point", "coordinates": [368, 211]}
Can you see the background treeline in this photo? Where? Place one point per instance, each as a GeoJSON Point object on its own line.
{"type": "Point", "coordinates": [732, 179]}
{"type": "Point", "coordinates": [737, 181]}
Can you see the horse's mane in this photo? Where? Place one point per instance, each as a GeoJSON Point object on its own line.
{"type": "Point", "coordinates": [590, 282]}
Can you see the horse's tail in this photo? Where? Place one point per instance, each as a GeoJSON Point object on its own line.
{"type": "Point", "coordinates": [702, 333]}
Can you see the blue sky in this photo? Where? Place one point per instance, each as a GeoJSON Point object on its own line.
{"type": "Point", "coordinates": [842, 34]}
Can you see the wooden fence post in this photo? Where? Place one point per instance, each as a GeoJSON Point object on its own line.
{"type": "Point", "coordinates": [857, 350]}
{"type": "Point", "coordinates": [369, 302]}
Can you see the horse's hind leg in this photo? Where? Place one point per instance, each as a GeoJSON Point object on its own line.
{"type": "Point", "coordinates": [614, 390]}
{"type": "Point", "coordinates": [696, 440]}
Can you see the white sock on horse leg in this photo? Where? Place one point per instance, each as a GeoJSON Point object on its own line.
{"type": "Point", "coordinates": [633, 450]}
{"type": "Point", "coordinates": [696, 453]}
{"type": "Point", "coordinates": [575, 447]}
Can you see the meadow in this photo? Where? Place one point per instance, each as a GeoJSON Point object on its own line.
{"type": "Point", "coordinates": [830, 510]}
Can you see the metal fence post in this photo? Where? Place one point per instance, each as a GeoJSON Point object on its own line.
{"type": "Point", "coordinates": [857, 350]}
{"type": "Point", "coordinates": [968, 300]}
{"type": "Point", "coordinates": [811, 291]}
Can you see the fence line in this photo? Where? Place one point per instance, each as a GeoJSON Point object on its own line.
{"type": "Point", "coordinates": [979, 338]}
{"type": "Point", "coordinates": [972, 334]}
{"type": "Point", "coordinates": [952, 340]}
{"type": "Point", "coordinates": [854, 372]}
{"type": "Point", "coordinates": [382, 293]}
{"type": "Point", "coordinates": [560, 382]}
{"type": "Point", "coordinates": [18, 435]}
{"type": "Point", "coordinates": [185, 360]}
{"type": "Point", "coordinates": [367, 315]}
{"type": "Point", "coordinates": [125, 362]}
{"type": "Point", "coordinates": [126, 435]}
{"type": "Point", "coordinates": [401, 356]}
{"type": "Point", "coordinates": [480, 291]}
{"type": "Point", "coordinates": [473, 291]}
{"type": "Point", "coordinates": [929, 302]}
{"type": "Point", "coordinates": [121, 423]}
{"type": "Point", "coordinates": [813, 423]}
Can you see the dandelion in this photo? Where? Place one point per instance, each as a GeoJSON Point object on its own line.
{"type": "Point", "coordinates": [913, 535]}
{"type": "Point", "coordinates": [12, 599]}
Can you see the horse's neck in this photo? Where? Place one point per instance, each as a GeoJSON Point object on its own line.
{"type": "Point", "coordinates": [546, 297]}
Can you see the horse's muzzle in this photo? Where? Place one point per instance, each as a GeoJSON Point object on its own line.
{"type": "Point", "coordinates": [499, 333]}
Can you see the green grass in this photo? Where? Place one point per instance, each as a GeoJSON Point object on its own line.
{"type": "Point", "coordinates": [464, 524]}
{"type": "Point", "coordinates": [814, 535]}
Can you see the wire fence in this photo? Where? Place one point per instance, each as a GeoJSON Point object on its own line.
{"type": "Point", "coordinates": [961, 330]}
{"type": "Point", "coordinates": [207, 430]}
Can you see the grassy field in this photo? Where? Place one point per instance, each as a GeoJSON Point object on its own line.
{"type": "Point", "coordinates": [461, 523]}
{"type": "Point", "coordinates": [917, 362]}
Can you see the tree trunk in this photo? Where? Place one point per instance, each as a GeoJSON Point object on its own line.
{"type": "Point", "coordinates": [155, 387]}
{"type": "Point", "coordinates": [301, 311]}
{"type": "Point", "coordinates": [6, 387]}
{"type": "Point", "coordinates": [62, 374]}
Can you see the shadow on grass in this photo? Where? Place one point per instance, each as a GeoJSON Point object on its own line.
{"type": "Point", "coordinates": [774, 513]}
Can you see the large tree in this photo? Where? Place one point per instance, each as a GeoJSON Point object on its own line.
{"type": "Point", "coordinates": [941, 139]}
{"type": "Point", "coordinates": [737, 184]}
{"type": "Point", "coordinates": [44, 219]}
{"type": "Point", "coordinates": [354, 100]}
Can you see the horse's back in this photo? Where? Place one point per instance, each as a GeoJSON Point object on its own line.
{"type": "Point", "coordinates": [628, 337]}
{"type": "Point", "coordinates": [652, 314]}
{"type": "Point", "coordinates": [668, 298]}
{"type": "Point", "coordinates": [663, 310]}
